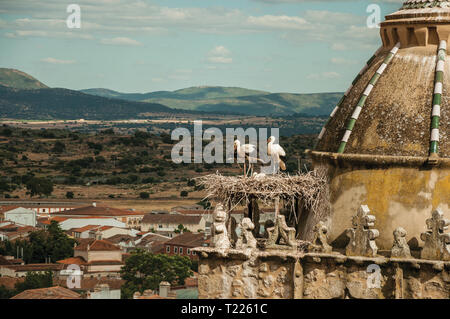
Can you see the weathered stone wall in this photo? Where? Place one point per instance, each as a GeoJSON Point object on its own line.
{"type": "Point", "coordinates": [256, 273]}
{"type": "Point", "coordinates": [399, 196]}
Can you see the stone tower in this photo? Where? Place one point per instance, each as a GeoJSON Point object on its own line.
{"type": "Point", "coordinates": [387, 143]}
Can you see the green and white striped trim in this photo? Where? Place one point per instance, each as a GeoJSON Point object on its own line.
{"type": "Point", "coordinates": [437, 97]}
{"type": "Point", "coordinates": [338, 105]}
{"type": "Point", "coordinates": [363, 98]}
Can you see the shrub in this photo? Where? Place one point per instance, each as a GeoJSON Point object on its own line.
{"type": "Point", "coordinates": [69, 195]}
{"type": "Point", "coordinates": [184, 193]}
{"type": "Point", "coordinates": [144, 195]}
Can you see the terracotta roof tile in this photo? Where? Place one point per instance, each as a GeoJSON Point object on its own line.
{"type": "Point", "coordinates": [10, 282]}
{"type": "Point", "coordinates": [171, 219]}
{"type": "Point", "coordinates": [121, 237]}
{"type": "Point", "coordinates": [56, 292]}
{"type": "Point", "coordinates": [105, 262]}
{"type": "Point", "coordinates": [102, 228]}
{"type": "Point", "coordinates": [90, 283]}
{"type": "Point", "coordinates": [195, 211]}
{"type": "Point", "coordinates": [4, 261]}
{"type": "Point", "coordinates": [72, 261]}
{"type": "Point", "coordinates": [98, 211]}
{"type": "Point", "coordinates": [98, 245]}
{"type": "Point", "coordinates": [35, 267]}
{"type": "Point", "coordinates": [85, 228]}
{"type": "Point", "coordinates": [188, 240]}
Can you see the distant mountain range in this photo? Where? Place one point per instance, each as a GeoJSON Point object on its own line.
{"type": "Point", "coordinates": [24, 97]}
{"type": "Point", "coordinates": [46, 104]}
{"type": "Point", "coordinates": [233, 99]}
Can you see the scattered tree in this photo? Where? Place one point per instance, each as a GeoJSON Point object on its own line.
{"type": "Point", "coordinates": [35, 280]}
{"type": "Point", "coordinates": [184, 193]}
{"type": "Point", "coordinates": [144, 270]}
{"type": "Point", "coordinates": [144, 195]}
{"type": "Point", "coordinates": [39, 186]}
{"type": "Point", "coordinates": [69, 195]}
{"type": "Point", "coordinates": [181, 229]}
{"type": "Point", "coordinates": [59, 147]}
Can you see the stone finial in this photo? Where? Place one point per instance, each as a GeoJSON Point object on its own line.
{"type": "Point", "coordinates": [437, 242]}
{"type": "Point", "coordinates": [320, 241]}
{"type": "Point", "coordinates": [400, 248]}
{"type": "Point", "coordinates": [246, 238]}
{"type": "Point", "coordinates": [281, 231]}
{"type": "Point", "coordinates": [232, 229]}
{"type": "Point", "coordinates": [362, 238]}
{"type": "Point", "coordinates": [219, 229]}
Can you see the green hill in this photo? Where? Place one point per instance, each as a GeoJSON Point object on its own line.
{"type": "Point", "coordinates": [233, 100]}
{"type": "Point", "coordinates": [46, 104]}
{"type": "Point", "coordinates": [19, 80]}
{"type": "Point", "coordinates": [190, 94]}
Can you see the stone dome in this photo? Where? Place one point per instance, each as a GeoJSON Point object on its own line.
{"type": "Point", "coordinates": [399, 104]}
{"type": "Point", "coordinates": [386, 144]}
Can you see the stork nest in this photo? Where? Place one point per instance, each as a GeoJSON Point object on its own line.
{"type": "Point", "coordinates": [309, 188]}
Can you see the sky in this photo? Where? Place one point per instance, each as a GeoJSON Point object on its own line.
{"type": "Point", "coordinates": [295, 46]}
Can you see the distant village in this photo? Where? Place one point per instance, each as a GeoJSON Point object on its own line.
{"type": "Point", "coordinates": [105, 237]}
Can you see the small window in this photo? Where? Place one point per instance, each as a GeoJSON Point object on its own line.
{"type": "Point", "coordinates": [175, 250]}
{"type": "Point", "coordinates": [159, 226]}
{"type": "Point", "coordinates": [194, 253]}
{"type": "Point", "coordinates": [181, 250]}
{"type": "Point", "coordinates": [168, 249]}
{"type": "Point", "coordinates": [188, 251]}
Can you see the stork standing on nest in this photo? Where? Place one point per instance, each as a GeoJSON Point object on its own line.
{"type": "Point", "coordinates": [246, 151]}
{"type": "Point", "coordinates": [276, 152]}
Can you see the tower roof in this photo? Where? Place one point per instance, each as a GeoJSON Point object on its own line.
{"type": "Point", "coordinates": [421, 4]}
{"type": "Point", "coordinates": [399, 104]}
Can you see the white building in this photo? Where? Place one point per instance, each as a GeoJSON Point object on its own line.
{"type": "Point", "coordinates": [22, 216]}
{"type": "Point", "coordinates": [67, 223]}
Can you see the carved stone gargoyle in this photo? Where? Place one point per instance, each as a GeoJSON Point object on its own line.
{"type": "Point", "coordinates": [281, 231]}
{"type": "Point", "coordinates": [437, 242]}
{"type": "Point", "coordinates": [246, 238]}
{"type": "Point", "coordinates": [362, 238]}
{"type": "Point", "coordinates": [320, 241]}
{"type": "Point", "coordinates": [400, 248]}
{"type": "Point", "coordinates": [219, 229]}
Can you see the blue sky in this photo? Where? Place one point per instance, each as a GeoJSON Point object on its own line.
{"type": "Point", "coordinates": [293, 46]}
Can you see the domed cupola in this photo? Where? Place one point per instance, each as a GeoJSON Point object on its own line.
{"type": "Point", "coordinates": [399, 103]}
{"type": "Point", "coordinates": [386, 143]}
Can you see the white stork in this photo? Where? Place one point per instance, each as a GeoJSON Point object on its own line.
{"type": "Point", "coordinates": [245, 151]}
{"type": "Point", "coordinates": [276, 151]}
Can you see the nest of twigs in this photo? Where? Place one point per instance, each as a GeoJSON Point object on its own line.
{"type": "Point", "coordinates": [240, 190]}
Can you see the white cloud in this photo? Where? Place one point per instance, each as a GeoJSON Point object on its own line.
{"type": "Point", "coordinates": [278, 22]}
{"type": "Point", "coordinates": [109, 20]}
{"type": "Point", "coordinates": [342, 61]}
{"type": "Point", "coordinates": [220, 50]}
{"type": "Point", "coordinates": [220, 54]}
{"type": "Point", "coordinates": [220, 59]}
{"type": "Point", "coordinates": [120, 41]}
{"type": "Point", "coordinates": [323, 75]}
{"type": "Point", "coordinates": [339, 47]}
{"type": "Point", "coordinates": [57, 61]}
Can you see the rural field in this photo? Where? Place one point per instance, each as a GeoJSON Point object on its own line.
{"type": "Point", "coordinates": [125, 169]}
